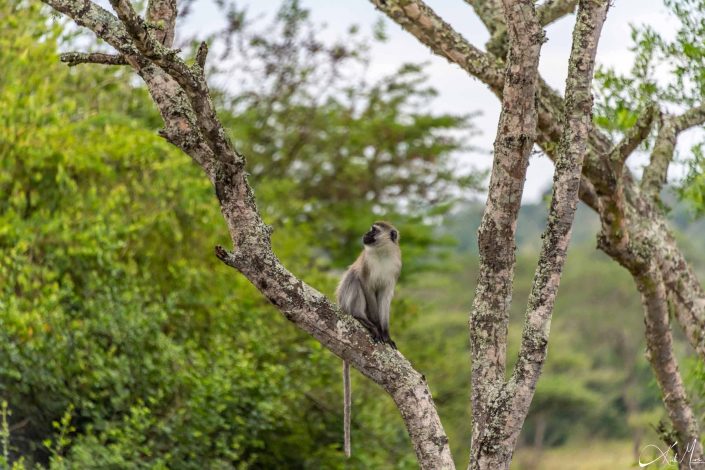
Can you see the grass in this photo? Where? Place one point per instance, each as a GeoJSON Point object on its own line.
{"type": "Point", "coordinates": [595, 455]}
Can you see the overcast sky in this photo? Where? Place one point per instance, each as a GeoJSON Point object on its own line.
{"type": "Point", "coordinates": [458, 92]}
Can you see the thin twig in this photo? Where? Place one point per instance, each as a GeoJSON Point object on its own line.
{"type": "Point", "coordinates": [76, 58]}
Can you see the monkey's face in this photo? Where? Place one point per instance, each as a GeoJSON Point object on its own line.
{"type": "Point", "coordinates": [380, 232]}
{"type": "Point", "coordinates": [371, 236]}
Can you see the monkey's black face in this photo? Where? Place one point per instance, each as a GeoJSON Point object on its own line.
{"type": "Point", "coordinates": [370, 237]}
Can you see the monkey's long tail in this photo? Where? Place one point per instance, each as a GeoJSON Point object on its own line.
{"type": "Point", "coordinates": [346, 407]}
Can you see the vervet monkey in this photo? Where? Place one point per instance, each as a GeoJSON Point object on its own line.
{"type": "Point", "coordinates": [366, 292]}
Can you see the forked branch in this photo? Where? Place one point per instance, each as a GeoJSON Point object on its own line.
{"type": "Point", "coordinates": [516, 132]}
{"type": "Point", "coordinates": [566, 182]}
{"type": "Point", "coordinates": [508, 403]}
{"type": "Point", "coordinates": [182, 97]}
{"type": "Point", "coordinates": [664, 149]}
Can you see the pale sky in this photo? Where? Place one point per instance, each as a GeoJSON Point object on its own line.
{"type": "Point", "coordinates": [459, 93]}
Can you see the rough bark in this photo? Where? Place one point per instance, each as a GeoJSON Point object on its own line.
{"type": "Point", "coordinates": [77, 58]}
{"type": "Point", "coordinates": [659, 346]}
{"type": "Point", "coordinates": [626, 209]}
{"type": "Point", "coordinates": [430, 29]}
{"type": "Point", "coordinates": [506, 404]}
{"type": "Point", "coordinates": [516, 132]}
{"type": "Point", "coordinates": [181, 95]}
{"type": "Point", "coordinates": [161, 14]}
{"type": "Point", "coordinates": [553, 10]}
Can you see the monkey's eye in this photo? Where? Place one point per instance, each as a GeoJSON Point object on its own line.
{"type": "Point", "coordinates": [393, 235]}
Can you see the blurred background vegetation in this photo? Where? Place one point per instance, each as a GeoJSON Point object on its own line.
{"type": "Point", "coordinates": [124, 343]}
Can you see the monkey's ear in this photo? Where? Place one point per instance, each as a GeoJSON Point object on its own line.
{"type": "Point", "coordinates": [393, 235]}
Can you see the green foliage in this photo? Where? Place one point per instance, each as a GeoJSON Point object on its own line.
{"type": "Point", "coordinates": [109, 307]}
{"type": "Point", "coordinates": [667, 71]}
{"type": "Point", "coordinates": [696, 382]}
{"type": "Point", "coordinates": [692, 188]}
{"type": "Point", "coordinates": [332, 145]}
{"type": "Point", "coordinates": [123, 342]}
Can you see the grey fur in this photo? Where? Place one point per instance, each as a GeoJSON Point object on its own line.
{"type": "Point", "coordinates": [366, 292]}
{"type": "Point", "coordinates": [367, 287]}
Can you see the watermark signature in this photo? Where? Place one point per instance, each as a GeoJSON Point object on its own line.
{"type": "Point", "coordinates": [670, 455]}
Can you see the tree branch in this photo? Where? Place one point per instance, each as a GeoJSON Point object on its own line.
{"type": "Point", "coordinates": [76, 58]}
{"type": "Point", "coordinates": [135, 25]}
{"type": "Point", "coordinates": [620, 202]}
{"type": "Point", "coordinates": [424, 24]}
{"type": "Point", "coordinates": [574, 144]}
{"type": "Point", "coordinates": [614, 237]}
{"type": "Point", "coordinates": [599, 186]}
{"type": "Point", "coordinates": [648, 251]}
{"type": "Point", "coordinates": [489, 12]}
{"type": "Point", "coordinates": [180, 93]}
{"type": "Point", "coordinates": [201, 55]}
{"type": "Point", "coordinates": [444, 41]}
{"type": "Point", "coordinates": [516, 132]}
{"type": "Point", "coordinates": [162, 15]}
{"type": "Point", "coordinates": [554, 10]}
{"type": "Point", "coordinates": [99, 20]}
{"type": "Point", "coordinates": [633, 138]}
{"type": "Point", "coordinates": [684, 288]}
{"type": "Point", "coordinates": [691, 118]}
{"type": "Point", "coordinates": [510, 404]}
{"type": "Point", "coordinates": [656, 171]}
{"type": "Point", "coordinates": [191, 80]}
{"type": "Point", "coordinates": [659, 347]}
